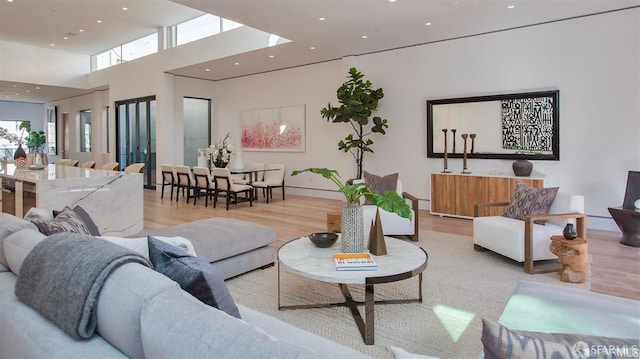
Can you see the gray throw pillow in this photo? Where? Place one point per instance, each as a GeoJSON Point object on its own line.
{"type": "Point", "coordinates": [500, 343]}
{"type": "Point", "coordinates": [66, 221]}
{"type": "Point", "coordinates": [194, 275]}
{"type": "Point", "coordinates": [379, 184]}
{"type": "Point", "coordinates": [527, 201]}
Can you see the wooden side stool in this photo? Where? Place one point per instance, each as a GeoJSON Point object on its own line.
{"type": "Point", "coordinates": [334, 221]}
{"type": "Point", "coordinates": [574, 256]}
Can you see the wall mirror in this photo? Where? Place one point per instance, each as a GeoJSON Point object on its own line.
{"type": "Point", "coordinates": [508, 126]}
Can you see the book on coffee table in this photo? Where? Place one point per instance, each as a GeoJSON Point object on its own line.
{"type": "Point", "coordinates": [354, 261]}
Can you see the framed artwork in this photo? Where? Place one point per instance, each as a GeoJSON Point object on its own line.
{"type": "Point", "coordinates": [279, 129]}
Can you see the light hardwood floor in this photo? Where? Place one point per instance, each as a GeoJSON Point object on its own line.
{"type": "Point", "coordinates": [615, 268]}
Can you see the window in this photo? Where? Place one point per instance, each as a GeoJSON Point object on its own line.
{"type": "Point", "coordinates": [85, 131]}
{"type": "Point", "coordinates": [126, 52]}
{"type": "Point", "coordinates": [10, 133]}
{"type": "Point", "coordinates": [197, 28]}
{"type": "Point", "coordinates": [52, 131]}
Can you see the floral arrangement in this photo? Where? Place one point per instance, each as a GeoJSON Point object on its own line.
{"type": "Point", "coordinates": [220, 152]}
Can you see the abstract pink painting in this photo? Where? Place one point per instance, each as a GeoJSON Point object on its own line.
{"type": "Point", "coordinates": [273, 129]}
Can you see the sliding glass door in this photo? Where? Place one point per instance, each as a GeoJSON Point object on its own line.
{"type": "Point", "coordinates": [136, 135]}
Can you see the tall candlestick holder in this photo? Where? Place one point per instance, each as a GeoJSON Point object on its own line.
{"type": "Point", "coordinates": [464, 156]}
{"type": "Point", "coordinates": [453, 130]}
{"type": "Point", "coordinates": [473, 140]}
{"type": "Point", "coordinates": [446, 159]}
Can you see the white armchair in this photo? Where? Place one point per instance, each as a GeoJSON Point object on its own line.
{"type": "Point", "coordinates": [526, 241]}
{"type": "Point", "coordinates": [392, 224]}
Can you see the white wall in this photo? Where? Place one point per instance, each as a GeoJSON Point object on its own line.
{"type": "Point", "coordinates": [594, 61]}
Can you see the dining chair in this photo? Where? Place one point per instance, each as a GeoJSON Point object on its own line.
{"type": "Point", "coordinates": [135, 168]}
{"type": "Point", "coordinates": [204, 184]}
{"type": "Point", "coordinates": [185, 181]}
{"type": "Point", "coordinates": [62, 162]}
{"type": "Point", "coordinates": [111, 166]}
{"type": "Point", "coordinates": [272, 179]}
{"type": "Point", "coordinates": [168, 179]}
{"type": "Point", "coordinates": [223, 184]}
{"type": "Point", "coordinates": [73, 163]}
{"type": "Point", "coordinates": [88, 164]}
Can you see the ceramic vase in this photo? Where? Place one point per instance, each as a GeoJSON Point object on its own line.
{"type": "Point", "coordinates": [522, 168]}
{"type": "Point", "coordinates": [569, 231]}
{"type": "Point", "coordinates": [352, 239]}
{"type": "Point", "coordinates": [20, 156]}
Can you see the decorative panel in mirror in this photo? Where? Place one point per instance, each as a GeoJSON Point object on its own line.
{"type": "Point", "coordinates": [509, 126]}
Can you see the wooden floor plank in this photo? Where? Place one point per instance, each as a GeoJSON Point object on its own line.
{"type": "Point", "coordinates": [615, 268]}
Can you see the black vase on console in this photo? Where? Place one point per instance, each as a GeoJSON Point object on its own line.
{"type": "Point", "coordinates": [522, 168]}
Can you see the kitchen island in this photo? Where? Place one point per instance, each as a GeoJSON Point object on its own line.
{"type": "Point", "coordinates": [113, 199]}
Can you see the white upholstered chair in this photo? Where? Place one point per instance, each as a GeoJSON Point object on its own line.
{"type": "Point", "coordinates": [186, 182]}
{"type": "Point", "coordinates": [224, 185]}
{"type": "Point", "coordinates": [526, 241]}
{"type": "Point", "coordinates": [111, 166]}
{"type": "Point", "coordinates": [169, 178]}
{"type": "Point", "coordinates": [272, 179]}
{"type": "Point", "coordinates": [204, 184]}
{"type": "Point", "coordinates": [392, 224]}
{"type": "Point", "coordinates": [88, 164]}
{"type": "Point", "coordinates": [135, 168]}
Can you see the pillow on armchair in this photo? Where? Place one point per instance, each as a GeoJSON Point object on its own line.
{"type": "Point", "coordinates": [379, 184]}
{"type": "Point", "coordinates": [527, 201]}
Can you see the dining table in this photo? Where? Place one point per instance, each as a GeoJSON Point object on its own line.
{"type": "Point", "coordinates": [253, 172]}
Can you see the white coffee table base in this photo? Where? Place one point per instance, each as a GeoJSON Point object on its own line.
{"type": "Point", "coordinates": [405, 260]}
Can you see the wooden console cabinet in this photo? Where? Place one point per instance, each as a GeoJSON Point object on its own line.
{"type": "Point", "coordinates": [456, 194]}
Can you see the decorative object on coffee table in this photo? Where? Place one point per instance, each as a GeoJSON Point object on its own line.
{"type": "Point", "coordinates": [569, 231]}
{"type": "Point", "coordinates": [376, 237]}
{"type": "Point", "coordinates": [323, 239]}
{"type": "Point", "coordinates": [574, 257]}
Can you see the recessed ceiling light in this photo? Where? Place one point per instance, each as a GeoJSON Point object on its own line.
{"type": "Point", "coordinates": [9, 0]}
{"type": "Point", "coordinates": [125, 9]}
{"type": "Point", "coordinates": [27, 91]}
{"type": "Point", "coordinates": [81, 30]}
{"type": "Point", "coordinates": [66, 38]}
{"type": "Point", "coordinates": [392, 0]}
{"type": "Point", "coordinates": [237, 63]}
{"type": "Point", "coordinates": [364, 36]}
{"type": "Point", "coordinates": [511, 6]}
{"type": "Point", "coordinates": [15, 85]}
{"type": "Point", "coordinates": [271, 56]}
{"type": "Point", "coordinates": [99, 21]}
{"type": "Point", "coordinates": [321, 18]}
{"type": "Point", "coordinates": [207, 70]}
{"type": "Point", "coordinates": [52, 44]}
{"type": "Point", "coordinates": [428, 24]}
{"type": "Point", "coordinates": [37, 87]}
{"type": "Point", "coordinates": [312, 48]}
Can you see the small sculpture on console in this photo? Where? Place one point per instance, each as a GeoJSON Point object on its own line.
{"type": "Point", "coordinates": [446, 164]}
{"type": "Point", "coordinates": [453, 130]}
{"type": "Point", "coordinates": [473, 140]}
{"type": "Point", "coordinates": [464, 156]}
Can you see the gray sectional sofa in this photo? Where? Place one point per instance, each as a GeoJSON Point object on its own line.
{"type": "Point", "coordinates": [142, 313]}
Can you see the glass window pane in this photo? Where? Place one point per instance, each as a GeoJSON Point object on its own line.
{"type": "Point", "coordinates": [197, 130]}
{"type": "Point", "coordinates": [52, 131]}
{"type": "Point", "coordinates": [229, 25]}
{"type": "Point", "coordinates": [9, 137]}
{"type": "Point", "coordinates": [198, 28]}
{"type": "Point", "coordinates": [85, 131]}
{"type": "Point", "coordinates": [142, 47]}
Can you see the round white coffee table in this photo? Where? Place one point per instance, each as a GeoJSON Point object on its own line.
{"type": "Point", "coordinates": [404, 260]}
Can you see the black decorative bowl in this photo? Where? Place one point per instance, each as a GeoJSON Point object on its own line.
{"type": "Point", "coordinates": [324, 239]}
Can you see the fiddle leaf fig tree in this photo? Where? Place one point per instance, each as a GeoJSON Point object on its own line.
{"type": "Point", "coordinates": [358, 100]}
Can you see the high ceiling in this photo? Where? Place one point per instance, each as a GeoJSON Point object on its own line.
{"type": "Point", "coordinates": [385, 24]}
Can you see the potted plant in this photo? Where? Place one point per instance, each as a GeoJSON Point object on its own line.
{"type": "Point", "coordinates": [34, 141]}
{"type": "Point", "coordinates": [358, 100]}
{"type": "Point", "coordinates": [352, 213]}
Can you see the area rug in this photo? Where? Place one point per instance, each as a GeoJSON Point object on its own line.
{"type": "Point", "coordinates": [461, 286]}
